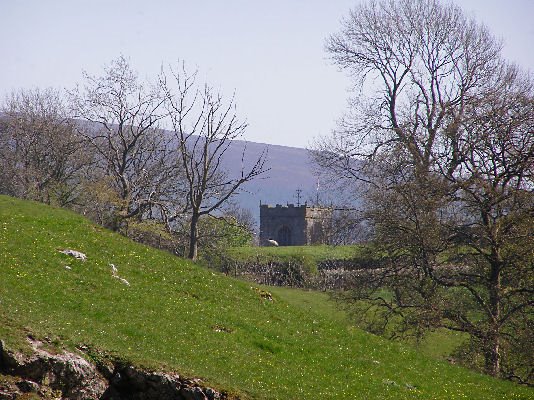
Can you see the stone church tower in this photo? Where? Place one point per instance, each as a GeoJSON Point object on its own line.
{"type": "Point", "coordinates": [294, 226]}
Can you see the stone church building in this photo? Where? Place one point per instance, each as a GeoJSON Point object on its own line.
{"type": "Point", "coordinates": [294, 225]}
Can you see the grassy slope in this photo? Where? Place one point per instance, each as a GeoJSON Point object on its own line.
{"type": "Point", "coordinates": [437, 344]}
{"type": "Point", "coordinates": [170, 317]}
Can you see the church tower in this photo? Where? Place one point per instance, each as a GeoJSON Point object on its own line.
{"type": "Point", "coordinates": [294, 225]}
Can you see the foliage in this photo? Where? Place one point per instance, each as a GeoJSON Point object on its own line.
{"type": "Point", "coordinates": [165, 319]}
{"type": "Point", "coordinates": [108, 158]}
{"type": "Point", "coordinates": [444, 143]}
{"type": "Point", "coordinates": [153, 233]}
{"type": "Point", "coordinates": [218, 235]}
{"type": "Point", "coordinates": [41, 154]}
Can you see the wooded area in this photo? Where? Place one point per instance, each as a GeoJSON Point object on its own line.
{"type": "Point", "coordinates": [442, 128]}
{"type": "Point", "coordinates": [102, 150]}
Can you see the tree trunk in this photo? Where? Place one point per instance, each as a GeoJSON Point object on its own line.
{"type": "Point", "coordinates": [492, 356]}
{"type": "Point", "coordinates": [193, 237]}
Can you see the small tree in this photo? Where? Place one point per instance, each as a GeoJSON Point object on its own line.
{"type": "Point", "coordinates": [217, 236]}
{"type": "Point", "coordinates": [204, 126]}
{"type": "Point", "coordinates": [134, 164]}
{"type": "Point", "coordinates": [41, 154]}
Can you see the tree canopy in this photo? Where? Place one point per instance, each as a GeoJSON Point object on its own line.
{"type": "Point", "coordinates": [441, 131]}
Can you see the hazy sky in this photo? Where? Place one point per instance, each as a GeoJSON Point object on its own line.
{"type": "Point", "coordinates": [271, 53]}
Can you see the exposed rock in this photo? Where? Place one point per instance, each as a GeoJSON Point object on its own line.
{"type": "Point", "coordinates": [114, 273]}
{"type": "Point", "coordinates": [213, 395]}
{"type": "Point", "coordinates": [122, 280]}
{"type": "Point", "coordinates": [131, 383]}
{"type": "Point", "coordinates": [28, 386]}
{"type": "Point", "coordinates": [193, 393]}
{"type": "Point", "coordinates": [114, 270]}
{"type": "Point", "coordinates": [73, 377]}
{"type": "Point", "coordinates": [74, 253]}
{"type": "Point", "coordinates": [8, 388]}
{"type": "Point", "coordinates": [8, 394]}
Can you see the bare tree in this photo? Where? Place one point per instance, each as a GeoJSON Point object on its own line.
{"type": "Point", "coordinates": [204, 126]}
{"type": "Point", "coordinates": [420, 62]}
{"type": "Point", "coordinates": [459, 246]}
{"type": "Point", "coordinates": [442, 134]}
{"type": "Point", "coordinates": [134, 164]}
{"type": "Point", "coordinates": [41, 154]}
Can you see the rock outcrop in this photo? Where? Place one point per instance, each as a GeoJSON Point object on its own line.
{"type": "Point", "coordinates": [70, 376]}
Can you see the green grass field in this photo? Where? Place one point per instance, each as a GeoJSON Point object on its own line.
{"type": "Point", "coordinates": [178, 316]}
{"type": "Point", "coordinates": [316, 253]}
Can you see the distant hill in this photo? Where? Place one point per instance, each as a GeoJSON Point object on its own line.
{"type": "Point", "coordinates": [290, 169]}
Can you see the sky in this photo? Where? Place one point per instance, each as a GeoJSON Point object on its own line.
{"type": "Point", "coordinates": [270, 53]}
